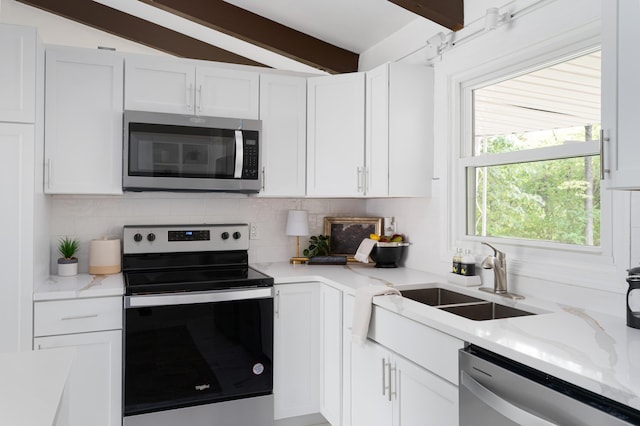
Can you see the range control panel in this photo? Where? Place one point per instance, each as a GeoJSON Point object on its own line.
{"type": "Point", "coordinates": [185, 238]}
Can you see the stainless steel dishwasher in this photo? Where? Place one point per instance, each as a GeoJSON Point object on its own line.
{"type": "Point", "coordinates": [496, 391]}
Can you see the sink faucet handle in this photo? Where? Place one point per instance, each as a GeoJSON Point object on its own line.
{"type": "Point", "coordinates": [497, 253]}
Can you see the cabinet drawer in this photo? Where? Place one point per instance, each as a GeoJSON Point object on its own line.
{"type": "Point", "coordinates": [77, 316]}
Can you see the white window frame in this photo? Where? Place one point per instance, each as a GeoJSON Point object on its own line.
{"type": "Point", "coordinates": [555, 262]}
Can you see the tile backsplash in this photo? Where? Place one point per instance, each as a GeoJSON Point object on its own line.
{"type": "Point", "coordinates": [88, 218]}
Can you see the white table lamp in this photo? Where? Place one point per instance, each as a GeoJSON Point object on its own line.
{"type": "Point", "coordinates": [297, 225]}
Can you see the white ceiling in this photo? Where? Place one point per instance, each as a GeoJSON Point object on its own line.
{"type": "Point", "coordinates": [355, 25]}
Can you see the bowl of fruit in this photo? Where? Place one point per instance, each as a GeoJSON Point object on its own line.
{"type": "Point", "coordinates": [388, 250]}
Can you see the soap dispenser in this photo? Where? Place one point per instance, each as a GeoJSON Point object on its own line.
{"type": "Point", "coordinates": [633, 298]}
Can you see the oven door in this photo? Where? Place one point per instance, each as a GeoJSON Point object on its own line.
{"type": "Point", "coordinates": [195, 348]}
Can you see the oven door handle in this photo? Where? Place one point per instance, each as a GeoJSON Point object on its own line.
{"type": "Point", "coordinates": [196, 297]}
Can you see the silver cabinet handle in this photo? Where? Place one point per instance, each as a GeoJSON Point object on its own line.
{"type": "Point", "coordinates": [359, 172]}
{"type": "Point", "coordinates": [264, 179]}
{"type": "Point", "coordinates": [75, 317]}
{"type": "Point", "coordinates": [199, 101]}
{"type": "Point", "coordinates": [277, 306]}
{"type": "Point", "coordinates": [190, 98]}
{"type": "Point", "coordinates": [392, 393]}
{"type": "Point", "coordinates": [365, 178]}
{"type": "Point", "coordinates": [508, 410]}
{"type": "Point", "coordinates": [384, 377]}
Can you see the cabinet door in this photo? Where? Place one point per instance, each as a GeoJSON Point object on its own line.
{"type": "Point", "coordinates": [95, 381]}
{"type": "Point", "coordinates": [83, 122]}
{"type": "Point", "coordinates": [17, 73]}
{"type": "Point", "coordinates": [159, 86]}
{"type": "Point", "coordinates": [283, 104]}
{"type": "Point", "coordinates": [410, 130]}
{"type": "Point", "coordinates": [422, 398]}
{"type": "Point", "coordinates": [224, 92]}
{"type": "Point", "coordinates": [620, 91]}
{"type": "Point", "coordinates": [296, 380]}
{"type": "Point", "coordinates": [331, 354]}
{"type": "Point", "coordinates": [377, 132]}
{"type": "Point", "coordinates": [371, 401]}
{"type": "Point", "coordinates": [16, 226]}
{"type": "Point", "coordinates": [335, 135]}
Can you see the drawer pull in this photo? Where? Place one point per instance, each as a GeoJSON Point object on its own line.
{"type": "Point", "coordinates": [74, 317]}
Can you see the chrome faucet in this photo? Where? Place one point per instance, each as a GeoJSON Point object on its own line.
{"type": "Point", "coordinates": [498, 262]}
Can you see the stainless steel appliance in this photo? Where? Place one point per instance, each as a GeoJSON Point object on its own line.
{"type": "Point", "coordinates": [175, 152]}
{"type": "Point", "coordinates": [497, 391]}
{"type": "Point", "coordinates": [198, 328]}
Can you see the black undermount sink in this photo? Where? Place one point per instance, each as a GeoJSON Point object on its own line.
{"type": "Point", "coordinates": [460, 304]}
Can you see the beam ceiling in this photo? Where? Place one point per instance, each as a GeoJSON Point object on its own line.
{"type": "Point", "coordinates": [448, 13]}
{"type": "Point", "coordinates": [138, 30]}
{"type": "Point", "coordinates": [250, 27]}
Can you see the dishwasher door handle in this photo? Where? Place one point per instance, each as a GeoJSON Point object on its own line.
{"type": "Point", "coordinates": [502, 406]}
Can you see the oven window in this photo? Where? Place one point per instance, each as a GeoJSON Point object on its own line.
{"type": "Point", "coordinates": [182, 355]}
{"type": "Point", "coordinates": [181, 151]}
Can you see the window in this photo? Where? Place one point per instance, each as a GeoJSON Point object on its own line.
{"type": "Point", "coordinates": [533, 167]}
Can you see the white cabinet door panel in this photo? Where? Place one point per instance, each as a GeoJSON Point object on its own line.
{"type": "Point", "coordinates": [331, 354]}
{"type": "Point", "coordinates": [296, 380]}
{"type": "Point", "coordinates": [224, 92]}
{"type": "Point", "coordinates": [16, 225]}
{"type": "Point", "coordinates": [335, 135]}
{"type": "Point", "coordinates": [94, 387]}
{"type": "Point", "coordinates": [423, 398]}
{"type": "Point", "coordinates": [83, 125]}
{"type": "Point", "coordinates": [17, 73]}
{"type": "Point", "coordinates": [621, 68]}
{"type": "Point", "coordinates": [283, 105]}
{"type": "Point", "coordinates": [160, 86]}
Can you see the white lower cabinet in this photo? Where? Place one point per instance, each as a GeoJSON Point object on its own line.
{"type": "Point", "coordinates": [308, 352]}
{"type": "Point", "coordinates": [296, 338]}
{"type": "Point", "coordinates": [406, 376]}
{"type": "Point", "coordinates": [387, 389]}
{"type": "Point", "coordinates": [94, 328]}
{"type": "Point", "coordinates": [331, 354]}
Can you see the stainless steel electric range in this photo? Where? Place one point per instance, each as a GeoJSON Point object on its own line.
{"type": "Point", "coordinates": [198, 328]}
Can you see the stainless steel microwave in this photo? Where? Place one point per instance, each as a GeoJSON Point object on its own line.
{"type": "Point", "coordinates": [172, 152]}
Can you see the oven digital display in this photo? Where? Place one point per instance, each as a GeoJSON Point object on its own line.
{"type": "Point", "coordinates": [189, 236]}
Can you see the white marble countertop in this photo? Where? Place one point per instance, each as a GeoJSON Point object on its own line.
{"type": "Point", "coordinates": [593, 350]}
{"type": "Point", "coordinates": [33, 376]}
{"type": "Point", "coordinates": [79, 286]}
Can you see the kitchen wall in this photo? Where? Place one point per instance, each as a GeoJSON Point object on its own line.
{"type": "Point", "coordinates": [88, 218]}
{"type": "Point", "coordinates": [429, 223]}
{"type": "Point", "coordinates": [426, 222]}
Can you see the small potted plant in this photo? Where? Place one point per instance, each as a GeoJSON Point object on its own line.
{"type": "Point", "coordinates": [68, 263]}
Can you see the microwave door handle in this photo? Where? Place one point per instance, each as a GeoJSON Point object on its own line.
{"type": "Point", "coordinates": [239, 155]}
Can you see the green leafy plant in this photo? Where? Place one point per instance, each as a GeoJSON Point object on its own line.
{"type": "Point", "coordinates": [68, 247]}
{"type": "Point", "coordinates": [318, 246]}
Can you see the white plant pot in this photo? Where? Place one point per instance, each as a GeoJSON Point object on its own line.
{"type": "Point", "coordinates": [67, 268]}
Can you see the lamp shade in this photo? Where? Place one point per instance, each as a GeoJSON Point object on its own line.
{"type": "Point", "coordinates": [297, 223]}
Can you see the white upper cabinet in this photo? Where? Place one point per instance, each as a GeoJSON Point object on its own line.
{"type": "Point", "coordinates": [335, 135]}
{"type": "Point", "coordinates": [283, 103]}
{"type": "Point", "coordinates": [620, 92]}
{"type": "Point", "coordinates": [181, 87]}
{"type": "Point", "coordinates": [399, 131]}
{"type": "Point", "coordinates": [371, 134]}
{"type": "Point", "coordinates": [83, 121]}
{"type": "Point", "coordinates": [17, 74]}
